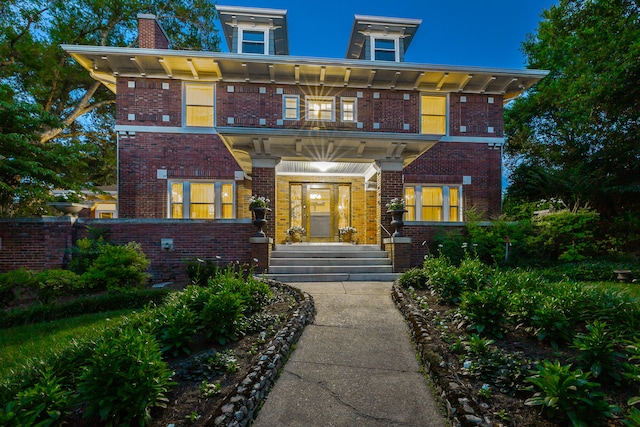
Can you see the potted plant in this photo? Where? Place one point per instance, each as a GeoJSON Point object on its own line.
{"type": "Point", "coordinates": [295, 233]}
{"type": "Point", "coordinates": [396, 207]}
{"type": "Point", "coordinates": [347, 234]}
{"type": "Point", "coordinates": [258, 206]}
{"type": "Point", "coordinates": [69, 202]}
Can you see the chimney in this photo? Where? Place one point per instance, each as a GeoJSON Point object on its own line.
{"type": "Point", "coordinates": [150, 33]}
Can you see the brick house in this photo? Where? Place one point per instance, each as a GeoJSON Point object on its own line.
{"type": "Point", "coordinates": [329, 141]}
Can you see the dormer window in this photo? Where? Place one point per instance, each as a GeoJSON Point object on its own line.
{"type": "Point", "coordinates": [253, 41]}
{"type": "Point", "coordinates": [385, 49]}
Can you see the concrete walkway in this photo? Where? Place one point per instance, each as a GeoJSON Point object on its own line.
{"type": "Point", "coordinates": [354, 366]}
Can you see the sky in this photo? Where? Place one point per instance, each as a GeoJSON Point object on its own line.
{"type": "Point", "coordinates": [483, 33]}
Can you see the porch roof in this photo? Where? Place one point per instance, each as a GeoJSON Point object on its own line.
{"type": "Point", "coordinates": [106, 63]}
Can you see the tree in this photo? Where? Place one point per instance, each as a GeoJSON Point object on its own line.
{"type": "Point", "coordinates": [576, 134]}
{"type": "Point", "coordinates": [37, 70]}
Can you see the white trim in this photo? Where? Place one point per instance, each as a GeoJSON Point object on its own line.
{"type": "Point", "coordinates": [284, 106]}
{"type": "Point", "coordinates": [472, 139]}
{"type": "Point", "coordinates": [165, 129]}
{"type": "Point", "coordinates": [352, 100]}
{"type": "Point", "coordinates": [264, 31]}
{"type": "Point", "coordinates": [320, 99]}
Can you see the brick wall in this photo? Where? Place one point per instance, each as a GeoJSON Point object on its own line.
{"type": "Point", "coordinates": [449, 162]}
{"type": "Point", "coordinates": [150, 34]}
{"type": "Point", "coordinates": [378, 111]}
{"type": "Point", "coordinates": [150, 102]}
{"type": "Point", "coordinates": [39, 244]}
{"type": "Point", "coordinates": [477, 113]}
{"type": "Point", "coordinates": [184, 156]}
{"type": "Point", "coordinates": [264, 184]}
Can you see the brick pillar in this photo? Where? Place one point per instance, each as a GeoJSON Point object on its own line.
{"type": "Point", "coordinates": [263, 183]}
{"type": "Point", "coordinates": [390, 186]}
{"type": "Point", "coordinates": [260, 253]}
{"type": "Point", "coordinates": [399, 250]}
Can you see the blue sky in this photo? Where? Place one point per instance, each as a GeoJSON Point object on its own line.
{"type": "Point", "coordinates": [485, 33]}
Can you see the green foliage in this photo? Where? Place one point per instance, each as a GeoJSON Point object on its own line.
{"type": "Point", "coordinates": [57, 282]}
{"type": "Point", "coordinates": [124, 379]}
{"type": "Point", "coordinates": [578, 122]}
{"type": "Point", "coordinates": [486, 309]}
{"type": "Point", "coordinates": [444, 278]}
{"type": "Point", "coordinates": [220, 315]}
{"type": "Point", "coordinates": [564, 235]}
{"type": "Point", "coordinates": [200, 270]}
{"type": "Point", "coordinates": [84, 253]}
{"type": "Point", "coordinates": [95, 304]}
{"type": "Point", "coordinates": [597, 350]}
{"type": "Point", "coordinates": [490, 241]}
{"type": "Point", "coordinates": [563, 392]}
{"type": "Point", "coordinates": [12, 281]}
{"type": "Point", "coordinates": [42, 404]}
{"type": "Point", "coordinates": [416, 278]}
{"type": "Point", "coordinates": [254, 293]}
{"type": "Point", "coordinates": [177, 325]}
{"type": "Point", "coordinates": [118, 268]}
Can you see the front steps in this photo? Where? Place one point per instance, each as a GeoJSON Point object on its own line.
{"type": "Point", "coordinates": [330, 262]}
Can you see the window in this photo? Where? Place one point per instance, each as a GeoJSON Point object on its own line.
{"type": "Point", "coordinates": [348, 109]}
{"type": "Point", "coordinates": [253, 41]}
{"type": "Point", "coordinates": [385, 50]}
{"type": "Point", "coordinates": [434, 114]}
{"type": "Point", "coordinates": [291, 107]}
{"type": "Point", "coordinates": [321, 108]}
{"type": "Point", "coordinates": [433, 203]}
{"type": "Point", "coordinates": [201, 200]}
{"type": "Point", "coordinates": [198, 104]}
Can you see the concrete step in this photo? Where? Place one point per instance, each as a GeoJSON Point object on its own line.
{"type": "Point", "coordinates": [318, 262]}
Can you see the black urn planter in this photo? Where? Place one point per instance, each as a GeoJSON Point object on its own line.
{"type": "Point", "coordinates": [259, 220]}
{"type": "Point", "coordinates": [396, 221]}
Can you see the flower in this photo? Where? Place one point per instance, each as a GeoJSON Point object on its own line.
{"type": "Point", "coordinates": [258, 202]}
{"type": "Point", "coordinates": [396, 204]}
{"type": "Point", "coordinates": [296, 229]}
{"type": "Point", "coordinates": [345, 230]}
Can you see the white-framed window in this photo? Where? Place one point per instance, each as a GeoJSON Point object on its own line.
{"type": "Point", "coordinates": [433, 114]}
{"type": "Point", "coordinates": [349, 109]}
{"type": "Point", "coordinates": [385, 49]}
{"type": "Point", "coordinates": [440, 203]}
{"type": "Point", "coordinates": [198, 104]}
{"type": "Point", "coordinates": [321, 108]}
{"type": "Point", "coordinates": [253, 41]}
{"type": "Point", "coordinates": [291, 107]}
{"type": "Point", "coordinates": [201, 199]}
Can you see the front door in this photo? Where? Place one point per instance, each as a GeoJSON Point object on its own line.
{"type": "Point", "coordinates": [321, 208]}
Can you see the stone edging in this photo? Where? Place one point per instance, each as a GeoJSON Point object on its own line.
{"type": "Point", "coordinates": [242, 405]}
{"type": "Point", "coordinates": [451, 394]}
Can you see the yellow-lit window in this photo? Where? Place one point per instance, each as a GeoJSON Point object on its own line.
{"type": "Point", "coordinates": [320, 108]}
{"type": "Point", "coordinates": [202, 201]}
{"type": "Point", "coordinates": [410, 203]}
{"type": "Point", "coordinates": [177, 200]}
{"type": "Point", "coordinates": [434, 115]}
{"type": "Point", "coordinates": [227, 200]}
{"type": "Point", "coordinates": [291, 104]}
{"type": "Point", "coordinates": [348, 109]}
{"type": "Point", "coordinates": [198, 105]}
{"type": "Point", "coordinates": [432, 203]}
{"type": "Point", "coordinates": [454, 202]}
{"type": "Point", "coordinates": [104, 215]}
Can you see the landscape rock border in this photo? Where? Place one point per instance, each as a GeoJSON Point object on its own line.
{"type": "Point", "coordinates": [460, 405]}
{"type": "Point", "coordinates": [242, 405]}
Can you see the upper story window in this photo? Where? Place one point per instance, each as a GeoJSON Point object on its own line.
{"type": "Point", "coordinates": [348, 109]}
{"type": "Point", "coordinates": [201, 200]}
{"type": "Point", "coordinates": [433, 203]}
{"type": "Point", "coordinates": [291, 107]}
{"type": "Point", "coordinates": [321, 108]}
{"type": "Point", "coordinates": [385, 49]}
{"type": "Point", "coordinates": [433, 114]}
{"type": "Point", "coordinates": [253, 41]}
{"type": "Point", "coordinates": [198, 104]}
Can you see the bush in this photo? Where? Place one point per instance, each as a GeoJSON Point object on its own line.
{"type": "Point", "coordinates": [200, 270]}
{"type": "Point", "coordinates": [254, 293]}
{"type": "Point", "coordinates": [444, 279]}
{"type": "Point", "coordinates": [486, 310]}
{"type": "Point", "coordinates": [416, 278]}
{"type": "Point", "coordinates": [566, 393]}
{"type": "Point", "coordinates": [220, 315]}
{"type": "Point", "coordinates": [491, 241]}
{"type": "Point", "coordinates": [57, 282]}
{"type": "Point", "coordinates": [124, 379]}
{"type": "Point", "coordinates": [12, 281]}
{"type": "Point", "coordinates": [177, 325]}
{"type": "Point", "coordinates": [597, 350]}
{"type": "Point", "coordinates": [118, 268]}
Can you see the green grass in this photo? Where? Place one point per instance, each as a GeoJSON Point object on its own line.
{"type": "Point", "coordinates": [632, 289]}
{"type": "Point", "coordinates": [21, 343]}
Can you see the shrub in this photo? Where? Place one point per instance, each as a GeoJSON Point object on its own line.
{"type": "Point", "coordinates": [566, 393]}
{"type": "Point", "coordinates": [444, 279]}
{"type": "Point", "coordinates": [486, 310]}
{"type": "Point", "coordinates": [491, 240]}
{"type": "Point", "coordinates": [474, 273]}
{"type": "Point", "coordinates": [200, 270]}
{"type": "Point", "coordinates": [12, 281]}
{"type": "Point", "coordinates": [177, 325]}
{"type": "Point", "coordinates": [124, 379]}
{"type": "Point", "coordinates": [86, 251]}
{"type": "Point", "coordinates": [254, 293]}
{"type": "Point", "coordinates": [416, 278]}
{"type": "Point", "coordinates": [597, 351]}
{"type": "Point", "coordinates": [220, 314]}
{"type": "Point", "coordinates": [118, 268]}
{"type": "Point", "coordinates": [57, 282]}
